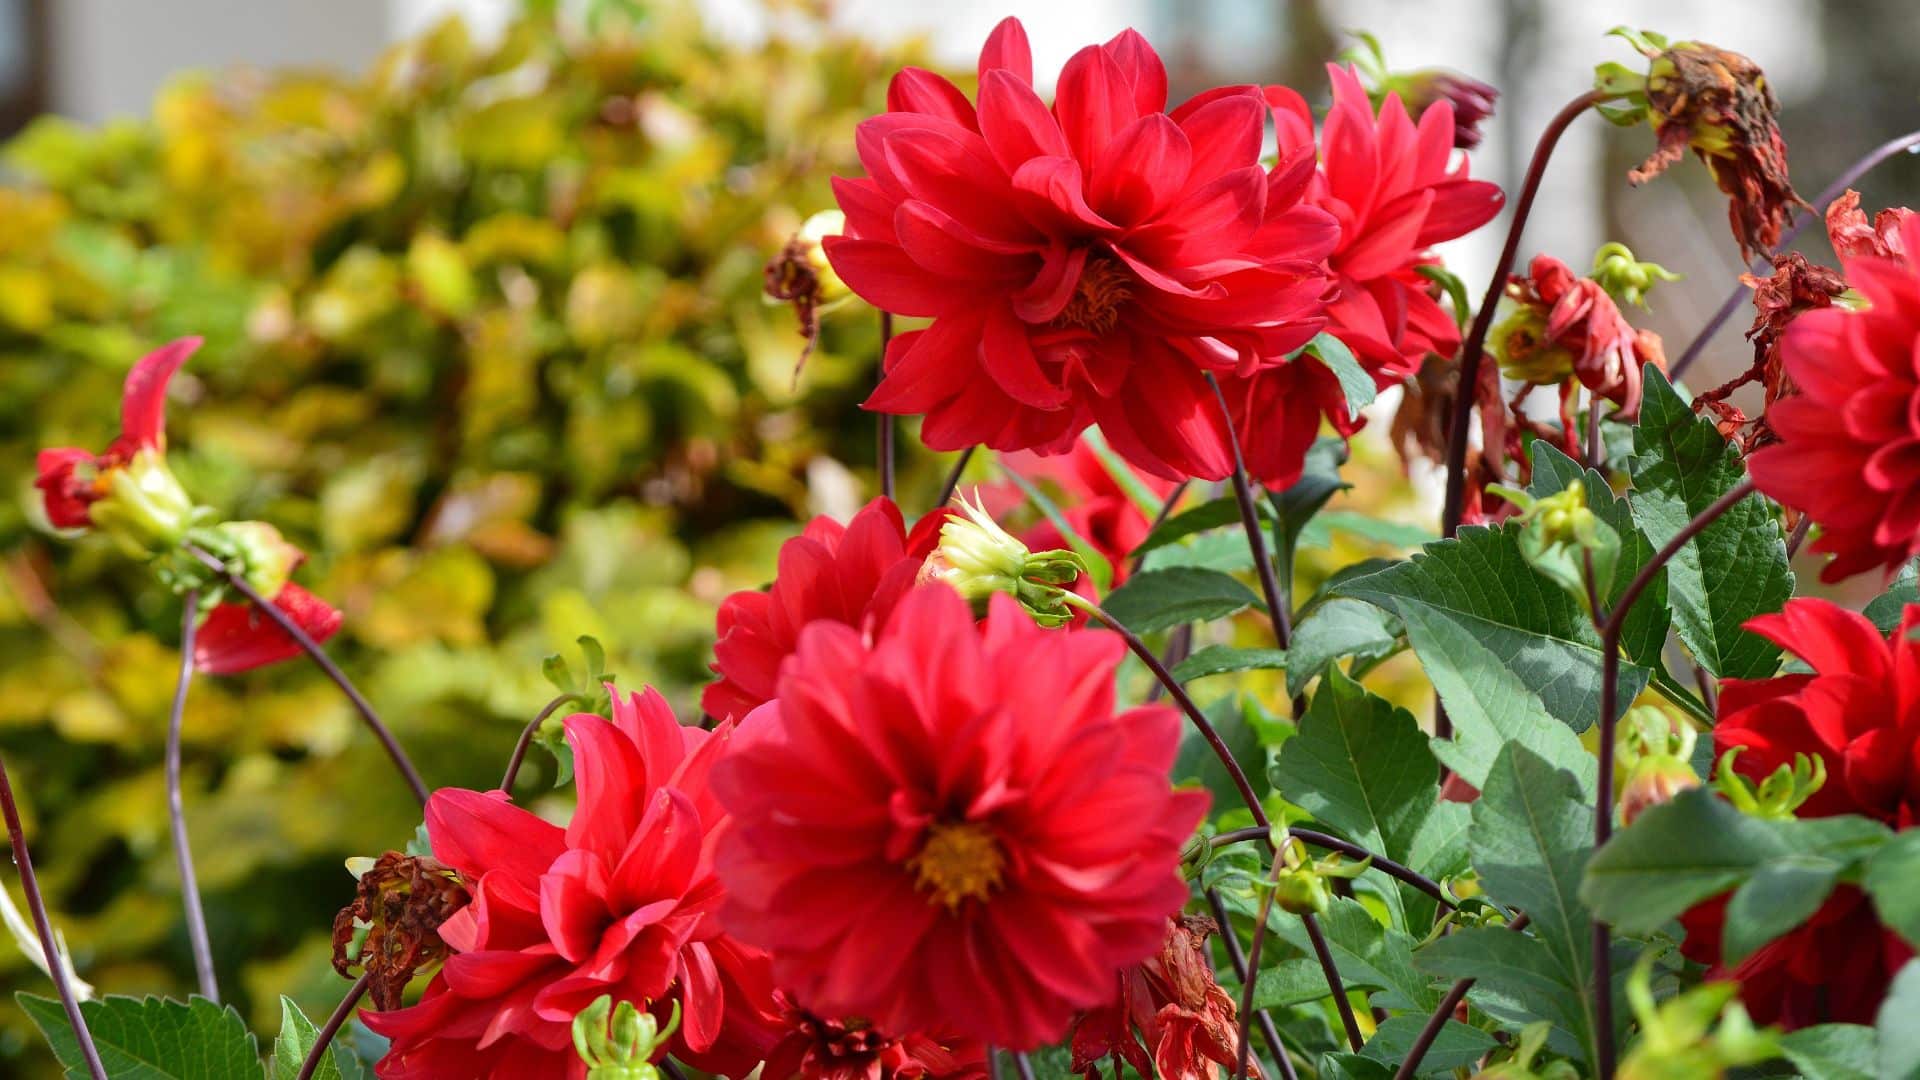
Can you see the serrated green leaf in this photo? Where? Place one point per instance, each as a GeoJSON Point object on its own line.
{"type": "Point", "coordinates": [1479, 611]}
{"type": "Point", "coordinates": [1457, 1046]}
{"type": "Point", "coordinates": [1899, 1035]}
{"type": "Point", "coordinates": [1736, 568]}
{"type": "Point", "coordinates": [1335, 629]}
{"type": "Point", "coordinates": [1159, 599]}
{"type": "Point", "coordinates": [1833, 1051]}
{"type": "Point", "coordinates": [1220, 659]}
{"type": "Point", "coordinates": [1353, 1067]}
{"type": "Point", "coordinates": [1517, 981]}
{"type": "Point", "coordinates": [1645, 632]}
{"type": "Point", "coordinates": [152, 1038]}
{"type": "Point", "coordinates": [290, 1049]}
{"type": "Point", "coordinates": [1886, 610]}
{"type": "Point", "coordinates": [1370, 955]}
{"type": "Point", "coordinates": [1778, 897]}
{"type": "Point", "coordinates": [1355, 383]}
{"type": "Point", "coordinates": [1361, 765]}
{"type": "Point", "coordinates": [1893, 881]}
{"type": "Point", "coordinates": [1208, 515]}
{"type": "Point", "coordinates": [1224, 550]}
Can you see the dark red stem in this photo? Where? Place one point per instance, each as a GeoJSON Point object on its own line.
{"type": "Point", "coordinates": [1250, 520]}
{"type": "Point", "coordinates": [1473, 351]}
{"type": "Point", "coordinates": [324, 1038]}
{"type": "Point", "coordinates": [1238, 959]}
{"type": "Point", "coordinates": [953, 479]}
{"type": "Point", "coordinates": [526, 737]}
{"type": "Point", "coordinates": [177, 810]}
{"type": "Point", "coordinates": [1346, 847]}
{"type": "Point", "coordinates": [1410, 1065]}
{"type": "Point", "coordinates": [30, 885]}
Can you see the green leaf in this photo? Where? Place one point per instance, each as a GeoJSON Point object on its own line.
{"type": "Point", "coordinates": [1833, 1051]}
{"type": "Point", "coordinates": [1736, 567]}
{"type": "Point", "coordinates": [1197, 762]}
{"type": "Point", "coordinates": [1369, 954]}
{"type": "Point", "coordinates": [1208, 515]}
{"type": "Point", "coordinates": [1337, 628]}
{"type": "Point", "coordinates": [1455, 288]}
{"type": "Point", "coordinates": [1899, 1035]}
{"type": "Point", "coordinates": [1531, 838]}
{"type": "Point", "coordinates": [1319, 532]}
{"type": "Point", "coordinates": [1778, 897]}
{"type": "Point", "coordinates": [1224, 550]}
{"type": "Point", "coordinates": [1353, 1067]}
{"type": "Point", "coordinates": [1361, 765]}
{"type": "Point", "coordinates": [152, 1038]}
{"type": "Point", "coordinates": [1457, 1046]}
{"type": "Point", "coordinates": [1517, 981]}
{"type": "Point", "coordinates": [1158, 599]}
{"type": "Point", "coordinates": [1886, 609]}
{"type": "Point", "coordinates": [1482, 620]}
{"type": "Point", "coordinates": [1294, 507]}
{"type": "Point", "coordinates": [295, 1041]}
{"type": "Point", "coordinates": [1289, 983]}
{"type": "Point", "coordinates": [1697, 846]}
{"type": "Point", "coordinates": [1220, 659]}
{"type": "Point", "coordinates": [1645, 632]}
{"type": "Point", "coordinates": [1893, 881]}
{"type": "Point", "coordinates": [1355, 383]}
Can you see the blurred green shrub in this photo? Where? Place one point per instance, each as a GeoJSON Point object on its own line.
{"type": "Point", "coordinates": [484, 334]}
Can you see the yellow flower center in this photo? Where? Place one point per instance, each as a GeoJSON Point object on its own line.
{"type": "Point", "coordinates": [960, 861]}
{"type": "Point", "coordinates": [1103, 288]}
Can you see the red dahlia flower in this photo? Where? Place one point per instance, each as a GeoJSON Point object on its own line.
{"type": "Point", "coordinates": [619, 902]}
{"type": "Point", "coordinates": [1388, 184]}
{"type": "Point", "coordinates": [1087, 263]}
{"type": "Point", "coordinates": [1849, 449]}
{"type": "Point", "coordinates": [944, 827]}
{"type": "Point", "coordinates": [128, 490]}
{"type": "Point", "coordinates": [1187, 1021]}
{"type": "Point", "coordinates": [850, 574]}
{"type": "Point", "coordinates": [1833, 968]}
{"type": "Point", "coordinates": [816, 1049]}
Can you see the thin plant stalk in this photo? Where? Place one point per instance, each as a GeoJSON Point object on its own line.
{"type": "Point", "coordinates": [321, 1041]}
{"type": "Point", "coordinates": [1023, 1066]}
{"type": "Point", "coordinates": [1313, 838]}
{"type": "Point", "coordinates": [1801, 220]}
{"type": "Point", "coordinates": [325, 664]}
{"type": "Point", "coordinates": [1603, 800]}
{"type": "Point", "coordinates": [953, 478]}
{"type": "Point", "coordinates": [43, 925]}
{"type": "Point", "coordinates": [196, 917]}
{"type": "Point", "coordinates": [1474, 350]}
{"type": "Point", "coordinates": [1238, 959]}
{"type": "Point", "coordinates": [1410, 1065]}
{"type": "Point", "coordinates": [526, 738]}
{"type": "Point", "coordinates": [1250, 520]}
{"type": "Point", "coordinates": [883, 450]}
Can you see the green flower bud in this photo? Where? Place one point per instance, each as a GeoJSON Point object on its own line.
{"type": "Point", "coordinates": [620, 1048]}
{"type": "Point", "coordinates": [145, 509]}
{"type": "Point", "coordinates": [1625, 278]}
{"type": "Point", "coordinates": [1302, 891]}
{"type": "Point", "coordinates": [1564, 540]}
{"type": "Point", "coordinates": [978, 558]}
{"type": "Point", "coordinates": [1700, 1033]}
{"type": "Point", "coordinates": [1784, 791]}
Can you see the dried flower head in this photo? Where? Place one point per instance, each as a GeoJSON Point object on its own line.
{"type": "Point", "coordinates": [401, 902]}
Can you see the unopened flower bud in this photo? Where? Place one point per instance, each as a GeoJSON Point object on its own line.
{"type": "Point", "coordinates": [266, 558]}
{"type": "Point", "coordinates": [1563, 539]}
{"type": "Point", "coordinates": [978, 558]}
{"type": "Point", "coordinates": [1624, 277]}
{"type": "Point", "coordinates": [1302, 891]}
{"type": "Point", "coordinates": [1472, 100]}
{"type": "Point", "coordinates": [1701, 1032]}
{"type": "Point", "coordinates": [1652, 780]}
{"type": "Point", "coordinates": [142, 505]}
{"type": "Point", "coordinates": [1524, 353]}
{"type": "Point", "coordinates": [1783, 791]}
{"type": "Point", "coordinates": [616, 1042]}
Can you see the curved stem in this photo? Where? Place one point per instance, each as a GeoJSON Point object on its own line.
{"type": "Point", "coordinates": [1799, 535]}
{"type": "Point", "coordinates": [338, 1020]}
{"type": "Point", "coordinates": [526, 737]}
{"type": "Point", "coordinates": [325, 664]}
{"type": "Point", "coordinates": [953, 478]}
{"type": "Point", "coordinates": [1603, 798]}
{"type": "Point", "coordinates": [49, 946]}
{"type": "Point", "coordinates": [883, 450]}
{"type": "Point", "coordinates": [1023, 1066]}
{"type": "Point", "coordinates": [1238, 959]}
{"type": "Point", "coordinates": [1346, 847]}
{"type": "Point", "coordinates": [1250, 520]}
{"type": "Point", "coordinates": [1251, 978]}
{"type": "Point", "coordinates": [1473, 351]}
{"type": "Point", "coordinates": [1800, 221]}
{"type": "Point", "coordinates": [1410, 1065]}
{"type": "Point", "coordinates": [177, 810]}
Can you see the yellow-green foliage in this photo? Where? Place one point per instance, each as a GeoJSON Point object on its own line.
{"type": "Point", "coordinates": [484, 335]}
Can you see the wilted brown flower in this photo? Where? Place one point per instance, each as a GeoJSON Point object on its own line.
{"type": "Point", "coordinates": [1719, 104]}
{"type": "Point", "coordinates": [1852, 236]}
{"type": "Point", "coordinates": [401, 902]}
{"type": "Point", "coordinates": [1188, 1023]}
{"type": "Point", "coordinates": [801, 275]}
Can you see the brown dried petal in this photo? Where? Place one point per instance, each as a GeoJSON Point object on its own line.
{"type": "Point", "coordinates": [401, 902]}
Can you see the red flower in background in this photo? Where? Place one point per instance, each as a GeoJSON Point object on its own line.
{"type": "Point", "coordinates": [1859, 712]}
{"type": "Point", "coordinates": [1566, 324]}
{"type": "Point", "coordinates": [619, 902]}
{"type": "Point", "coordinates": [1087, 263]}
{"type": "Point", "coordinates": [1092, 501]}
{"type": "Point", "coordinates": [72, 480]}
{"type": "Point", "coordinates": [1186, 1021]}
{"type": "Point", "coordinates": [1849, 449]}
{"type": "Point", "coordinates": [850, 574]}
{"type": "Point", "coordinates": [817, 1049]}
{"type": "Point", "coordinates": [1390, 185]}
{"type": "Point", "coordinates": [948, 828]}
{"type": "Point", "coordinates": [239, 637]}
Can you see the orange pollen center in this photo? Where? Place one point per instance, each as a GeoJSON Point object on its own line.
{"type": "Point", "coordinates": [1095, 305]}
{"type": "Point", "coordinates": [960, 861]}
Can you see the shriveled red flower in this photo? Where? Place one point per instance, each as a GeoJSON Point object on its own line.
{"type": "Point", "coordinates": [1394, 190]}
{"type": "Point", "coordinates": [1859, 713]}
{"type": "Point", "coordinates": [238, 637]}
{"type": "Point", "coordinates": [400, 903]}
{"type": "Point", "coordinates": [1171, 1018]}
{"type": "Point", "coordinates": [947, 827]}
{"type": "Point", "coordinates": [1849, 449]}
{"type": "Point", "coordinates": [1093, 503]}
{"type": "Point", "coordinates": [1718, 103]}
{"type": "Point", "coordinates": [1795, 287]}
{"type": "Point", "coordinates": [1566, 325]}
{"type": "Point", "coordinates": [818, 1049]}
{"type": "Point", "coordinates": [1852, 235]}
{"type": "Point", "coordinates": [1087, 263]}
{"type": "Point", "coordinates": [136, 498]}
{"type": "Point", "coordinates": [1833, 968]}
{"type": "Point", "coordinates": [850, 574]}
{"type": "Point", "coordinates": [620, 902]}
